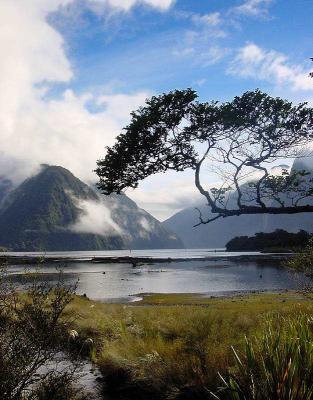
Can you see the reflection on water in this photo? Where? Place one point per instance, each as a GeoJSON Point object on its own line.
{"type": "Point", "coordinates": [162, 253]}
{"type": "Point", "coordinates": [116, 282]}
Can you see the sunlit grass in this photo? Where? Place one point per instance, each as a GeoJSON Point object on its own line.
{"type": "Point", "coordinates": [167, 342]}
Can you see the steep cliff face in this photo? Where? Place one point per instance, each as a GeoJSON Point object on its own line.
{"type": "Point", "coordinates": [54, 210]}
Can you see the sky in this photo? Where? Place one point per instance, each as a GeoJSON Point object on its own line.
{"type": "Point", "coordinates": [71, 71]}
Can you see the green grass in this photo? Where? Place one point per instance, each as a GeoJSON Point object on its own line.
{"type": "Point", "coordinates": [167, 345]}
{"type": "Point", "coordinates": [278, 364]}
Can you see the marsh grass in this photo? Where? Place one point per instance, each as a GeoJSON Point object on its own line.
{"type": "Point", "coordinates": [174, 346]}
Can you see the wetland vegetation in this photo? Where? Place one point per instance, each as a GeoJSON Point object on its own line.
{"type": "Point", "coordinates": [177, 346]}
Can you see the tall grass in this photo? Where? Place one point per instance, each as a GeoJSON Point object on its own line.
{"type": "Point", "coordinates": [278, 365]}
{"type": "Point", "coordinates": [176, 352]}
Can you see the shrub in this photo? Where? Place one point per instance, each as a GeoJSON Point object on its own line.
{"type": "Point", "coordinates": [32, 334]}
{"type": "Point", "coordinates": [58, 387]}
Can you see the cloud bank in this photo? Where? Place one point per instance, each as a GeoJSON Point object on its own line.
{"type": "Point", "coordinates": [36, 128]}
{"type": "Point", "coordinates": [126, 5]}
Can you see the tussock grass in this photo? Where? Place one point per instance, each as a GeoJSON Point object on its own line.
{"type": "Point", "coordinates": [278, 364]}
{"type": "Point", "coordinates": [173, 346]}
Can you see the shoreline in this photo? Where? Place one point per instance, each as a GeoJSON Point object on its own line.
{"type": "Point", "coordinates": [201, 299]}
{"type": "Point", "coordinates": [138, 299]}
{"type": "Point", "coordinates": [24, 259]}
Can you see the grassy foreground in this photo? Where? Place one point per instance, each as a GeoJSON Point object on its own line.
{"type": "Point", "coordinates": [173, 346]}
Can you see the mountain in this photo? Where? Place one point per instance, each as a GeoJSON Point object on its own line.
{"type": "Point", "coordinates": [213, 235]}
{"type": "Point", "coordinates": [6, 186]}
{"type": "Point", "coordinates": [142, 230]}
{"type": "Point", "coordinates": [55, 211]}
{"type": "Point", "coordinates": [216, 234]}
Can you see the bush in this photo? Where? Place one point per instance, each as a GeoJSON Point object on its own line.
{"type": "Point", "coordinates": [58, 387]}
{"type": "Point", "coordinates": [303, 261]}
{"type": "Point", "coordinates": [32, 335]}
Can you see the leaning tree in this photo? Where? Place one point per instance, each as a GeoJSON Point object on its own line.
{"type": "Point", "coordinates": [240, 141]}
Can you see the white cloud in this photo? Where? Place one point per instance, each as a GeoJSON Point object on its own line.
{"type": "Point", "coordinates": [113, 104]}
{"type": "Point", "coordinates": [211, 26]}
{"type": "Point", "coordinates": [127, 4]}
{"type": "Point", "coordinates": [60, 131]}
{"type": "Point", "coordinates": [212, 19]}
{"type": "Point", "coordinates": [95, 218]}
{"type": "Point", "coordinates": [99, 6]}
{"type": "Point", "coordinates": [254, 62]}
{"type": "Point", "coordinates": [253, 8]}
{"type": "Point", "coordinates": [211, 55]}
{"type": "Point", "coordinates": [201, 51]}
{"type": "Point", "coordinates": [202, 41]}
{"type": "Point", "coordinates": [146, 225]}
{"type": "Point", "coordinates": [27, 60]}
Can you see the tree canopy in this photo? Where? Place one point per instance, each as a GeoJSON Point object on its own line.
{"type": "Point", "coordinates": [238, 140]}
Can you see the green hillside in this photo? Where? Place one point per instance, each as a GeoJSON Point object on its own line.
{"type": "Point", "coordinates": [39, 214]}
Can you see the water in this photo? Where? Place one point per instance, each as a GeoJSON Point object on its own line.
{"type": "Point", "coordinates": [162, 253]}
{"type": "Point", "coordinates": [120, 282]}
{"type": "Point", "coordinates": [85, 374]}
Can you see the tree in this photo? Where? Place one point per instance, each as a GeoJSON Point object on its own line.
{"type": "Point", "coordinates": [238, 140]}
{"type": "Point", "coordinates": [303, 262]}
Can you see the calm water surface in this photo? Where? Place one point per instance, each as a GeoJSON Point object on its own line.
{"type": "Point", "coordinates": [163, 253]}
{"type": "Point", "coordinates": [116, 282]}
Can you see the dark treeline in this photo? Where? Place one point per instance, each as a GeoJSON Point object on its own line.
{"type": "Point", "coordinates": [279, 239]}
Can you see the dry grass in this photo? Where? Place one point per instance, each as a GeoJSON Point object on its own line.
{"type": "Point", "coordinates": [168, 345]}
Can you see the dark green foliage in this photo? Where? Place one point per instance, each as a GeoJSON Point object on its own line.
{"type": "Point", "coordinates": [278, 239]}
{"type": "Point", "coordinates": [239, 138]}
{"type": "Point", "coordinates": [150, 143]}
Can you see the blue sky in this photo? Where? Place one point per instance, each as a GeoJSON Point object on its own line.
{"type": "Point", "coordinates": [145, 49]}
{"type": "Point", "coordinates": [73, 70]}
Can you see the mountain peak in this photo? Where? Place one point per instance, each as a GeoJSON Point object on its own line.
{"type": "Point", "coordinates": [54, 210]}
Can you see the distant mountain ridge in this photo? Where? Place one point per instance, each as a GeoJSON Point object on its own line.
{"type": "Point", "coordinates": [55, 211]}
{"type": "Point", "coordinates": [216, 234]}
